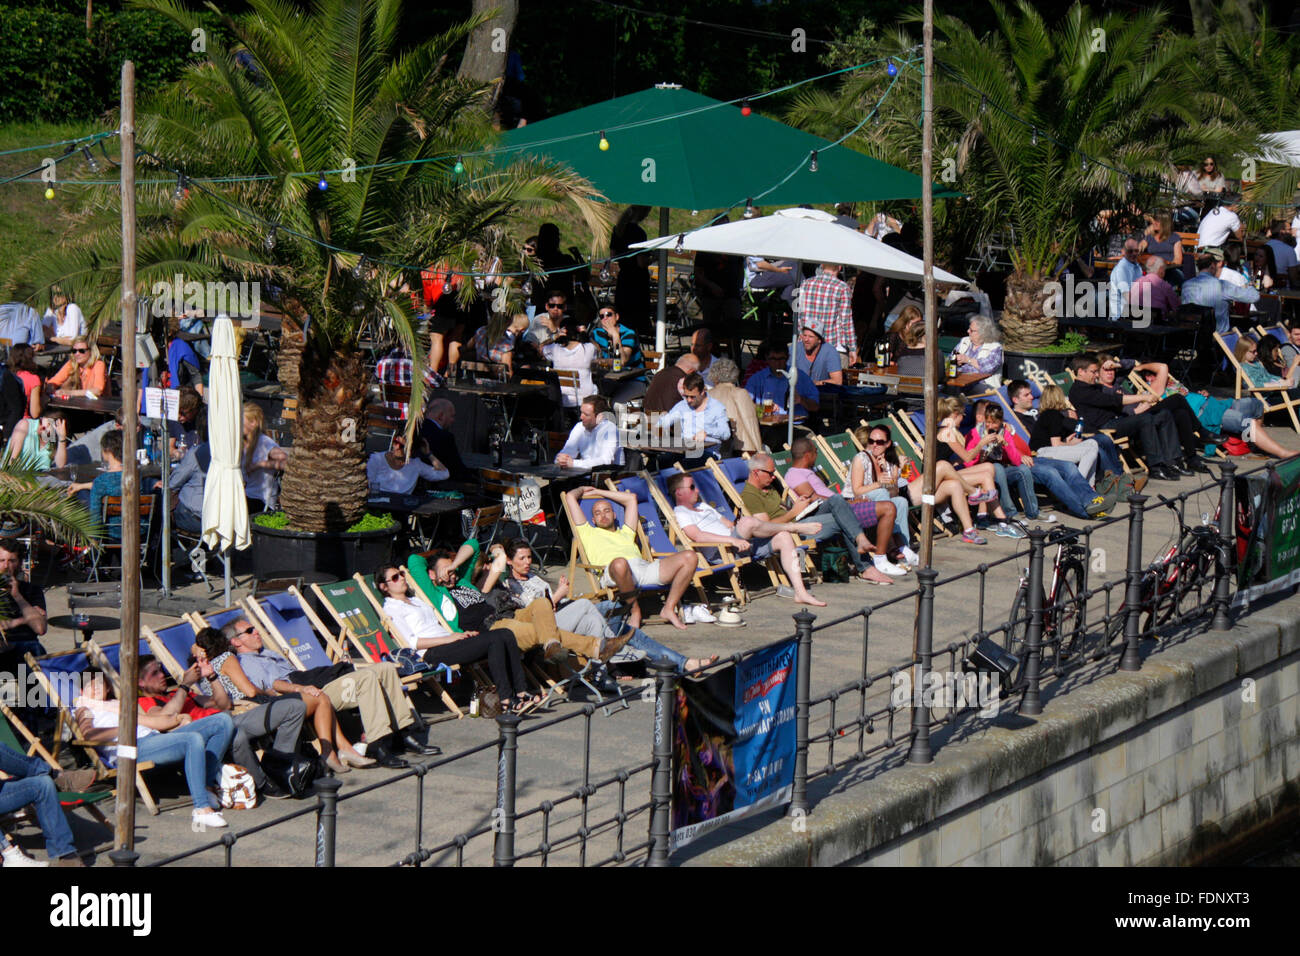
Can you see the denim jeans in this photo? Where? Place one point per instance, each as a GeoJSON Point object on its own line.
{"type": "Point", "coordinates": [201, 746]}
{"type": "Point", "coordinates": [1004, 475]}
{"type": "Point", "coordinates": [836, 516]}
{"type": "Point", "coordinates": [1062, 481]}
{"type": "Point", "coordinates": [33, 784]}
{"type": "Point", "coordinates": [644, 643]}
{"type": "Point", "coordinates": [1234, 417]}
{"type": "Point", "coordinates": [1107, 454]}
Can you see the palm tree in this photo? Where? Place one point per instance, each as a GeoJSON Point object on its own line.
{"type": "Point", "coordinates": [297, 93]}
{"type": "Point", "coordinates": [1040, 121]}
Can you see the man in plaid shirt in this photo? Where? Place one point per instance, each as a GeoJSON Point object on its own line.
{"type": "Point", "coordinates": [825, 306]}
{"type": "Point", "coordinates": [395, 369]}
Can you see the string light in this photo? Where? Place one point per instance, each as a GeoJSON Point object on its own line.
{"type": "Point", "coordinates": [604, 143]}
{"type": "Point", "coordinates": [91, 162]}
{"type": "Point", "coordinates": [49, 192]}
{"type": "Point", "coordinates": [984, 104]}
{"type": "Point", "coordinates": [322, 184]}
{"type": "Point", "coordinates": [745, 108]}
{"type": "Point", "coordinates": [892, 69]}
{"type": "Point", "coordinates": [1033, 136]}
{"type": "Point", "coordinates": [359, 270]}
{"type": "Point", "coordinates": [180, 192]}
{"type": "Point", "coordinates": [269, 241]}
{"type": "Point", "coordinates": [812, 164]}
{"type": "Point", "coordinates": [1085, 164]}
{"type": "Point", "coordinates": [681, 243]}
{"type": "Point", "coordinates": [749, 208]}
{"type": "Point", "coordinates": [459, 168]}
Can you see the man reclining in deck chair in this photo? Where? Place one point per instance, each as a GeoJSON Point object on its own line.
{"type": "Point", "coordinates": [756, 537]}
{"type": "Point", "coordinates": [526, 585]}
{"type": "Point", "coordinates": [375, 690]}
{"type": "Point", "coordinates": [30, 783]}
{"type": "Point", "coordinates": [448, 583]}
{"type": "Point", "coordinates": [607, 542]}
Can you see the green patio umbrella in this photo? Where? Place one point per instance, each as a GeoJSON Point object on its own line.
{"type": "Point", "coordinates": [674, 148]}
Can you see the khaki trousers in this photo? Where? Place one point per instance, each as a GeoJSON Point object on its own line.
{"type": "Point", "coordinates": [534, 626]}
{"type": "Point", "coordinates": [376, 691]}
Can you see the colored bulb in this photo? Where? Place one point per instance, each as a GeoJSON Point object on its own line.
{"type": "Point", "coordinates": [49, 192]}
{"type": "Point", "coordinates": [458, 168]}
{"type": "Point", "coordinates": [322, 185]}
{"type": "Point", "coordinates": [604, 143]}
{"type": "Point", "coordinates": [745, 108]}
{"type": "Point", "coordinates": [892, 70]}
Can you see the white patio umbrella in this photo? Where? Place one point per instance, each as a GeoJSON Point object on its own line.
{"type": "Point", "coordinates": [225, 512]}
{"type": "Point", "coordinates": [805, 235]}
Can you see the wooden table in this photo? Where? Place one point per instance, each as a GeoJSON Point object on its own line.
{"type": "Point", "coordinates": [79, 403]}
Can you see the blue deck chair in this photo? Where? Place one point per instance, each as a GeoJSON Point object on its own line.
{"type": "Point", "coordinates": [286, 620]}
{"type": "Point", "coordinates": [1274, 397]}
{"type": "Point", "coordinates": [715, 559]}
{"type": "Point", "coordinates": [579, 562]}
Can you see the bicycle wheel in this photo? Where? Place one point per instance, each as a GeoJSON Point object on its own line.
{"type": "Point", "coordinates": [1067, 609]}
{"type": "Point", "coordinates": [1194, 585]}
{"type": "Point", "coordinates": [1013, 639]}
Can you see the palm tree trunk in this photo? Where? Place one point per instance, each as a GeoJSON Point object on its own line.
{"type": "Point", "coordinates": [1025, 322]}
{"type": "Point", "coordinates": [324, 486]}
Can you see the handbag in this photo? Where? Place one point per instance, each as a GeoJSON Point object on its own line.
{"type": "Point", "coordinates": [408, 661]}
{"type": "Point", "coordinates": [292, 773]}
{"type": "Point", "coordinates": [318, 677]}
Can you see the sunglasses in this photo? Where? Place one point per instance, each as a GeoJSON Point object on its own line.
{"type": "Point", "coordinates": [392, 577]}
{"type": "Point", "coordinates": [81, 351]}
{"type": "Point", "coordinates": [882, 442]}
{"type": "Point", "coordinates": [248, 630]}
{"type": "Point", "coordinates": [766, 471]}
{"type": "Point", "coordinates": [606, 315]}
{"type": "Point", "coordinates": [555, 305]}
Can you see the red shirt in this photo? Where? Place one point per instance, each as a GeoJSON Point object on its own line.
{"type": "Point", "coordinates": [190, 707]}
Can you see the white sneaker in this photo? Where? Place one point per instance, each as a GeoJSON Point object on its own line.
{"type": "Point", "coordinates": [15, 857]}
{"type": "Point", "coordinates": [209, 821]}
{"type": "Point", "coordinates": [911, 557]}
{"type": "Point", "coordinates": [700, 614]}
{"type": "Point", "coordinates": [885, 567]}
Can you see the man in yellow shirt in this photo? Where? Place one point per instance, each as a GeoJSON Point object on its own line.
{"type": "Point", "coordinates": [606, 542]}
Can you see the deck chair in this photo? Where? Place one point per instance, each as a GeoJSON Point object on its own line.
{"type": "Point", "coordinates": [827, 467]}
{"type": "Point", "coordinates": [1065, 380]}
{"type": "Point", "coordinates": [713, 559]}
{"type": "Point", "coordinates": [1278, 331]}
{"type": "Point", "coordinates": [59, 677]}
{"type": "Point", "coordinates": [580, 562]}
{"type": "Point", "coordinates": [11, 726]}
{"type": "Point", "coordinates": [284, 622]}
{"type": "Point", "coordinates": [912, 445]}
{"type": "Point", "coordinates": [1009, 413]}
{"type": "Point", "coordinates": [1275, 397]}
{"type": "Point", "coordinates": [730, 476]}
{"type": "Point", "coordinates": [656, 534]}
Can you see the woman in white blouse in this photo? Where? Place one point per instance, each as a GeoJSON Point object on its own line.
{"type": "Point", "coordinates": [420, 627]}
{"type": "Point", "coordinates": [568, 354]}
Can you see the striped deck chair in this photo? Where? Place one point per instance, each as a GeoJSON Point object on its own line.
{"type": "Point", "coordinates": [11, 727]}
{"type": "Point", "coordinates": [827, 466]}
{"type": "Point", "coordinates": [912, 445]}
{"type": "Point", "coordinates": [662, 534]}
{"type": "Point", "coordinates": [732, 474]}
{"type": "Point", "coordinates": [60, 677]}
{"type": "Point", "coordinates": [1275, 397]}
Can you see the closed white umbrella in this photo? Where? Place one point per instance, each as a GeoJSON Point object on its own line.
{"type": "Point", "coordinates": [225, 512]}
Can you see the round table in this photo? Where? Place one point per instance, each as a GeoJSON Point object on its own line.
{"type": "Point", "coordinates": [87, 624]}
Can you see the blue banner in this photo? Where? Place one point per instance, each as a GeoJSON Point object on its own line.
{"type": "Point", "coordinates": [733, 752]}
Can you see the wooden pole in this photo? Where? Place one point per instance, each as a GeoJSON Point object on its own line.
{"type": "Point", "coordinates": [931, 322]}
{"type": "Point", "coordinates": [124, 838]}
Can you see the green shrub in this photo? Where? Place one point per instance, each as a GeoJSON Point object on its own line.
{"type": "Point", "coordinates": [279, 521]}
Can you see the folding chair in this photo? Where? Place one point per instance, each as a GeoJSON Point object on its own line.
{"type": "Point", "coordinates": [10, 726]}
{"type": "Point", "coordinates": [713, 558]}
{"type": "Point", "coordinates": [494, 482]}
{"type": "Point", "coordinates": [284, 621]}
{"type": "Point", "coordinates": [112, 508]}
{"type": "Point", "coordinates": [1279, 394]}
{"type": "Point", "coordinates": [827, 466]}
{"type": "Point", "coordinates": [719, 489]}
{"type": "Point", "coordinates": [1122, 442]}
{"type": "Point", "coordinates": [59, 676]}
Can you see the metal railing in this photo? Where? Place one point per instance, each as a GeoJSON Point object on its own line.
{"type": "Point", "coordinates": [879, 722]}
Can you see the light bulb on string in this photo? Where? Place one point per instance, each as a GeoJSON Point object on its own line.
{"type": "Point", "coordinates": [1033, 136]}
{"type": "Point", "coordinates": [269, 241]}
{"type": "Point", "coordinates": [91, 162]}
{"type": "Point", "coordinates": [892, 69]}
{"type": "Point", "coordinates": [749, 208]}
{"type": "Point", "coordinates": [681, 243]}
{"type": "Point", "coordinates": [984, 104]}
{"type": "Point", "coordinates": [1085, 164]}
{"type": "Point", "coordinates": [49, 192]}
{"type": "Point", "coordinates": [812, 162]}
{"type": "Point", "coordinates": [745, 108]}
{"type": "Point", "coordinates": [604, 143]}
{"type": "Point", "coordinates": [359, 270]}
{"type": "Point", "coordinates": [322, 183]}
{"type": "Point", "coordinates": [459, 168]}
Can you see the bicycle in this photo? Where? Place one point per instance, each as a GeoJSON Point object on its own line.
{"type": "Point", "coordinates": [1062, 602]}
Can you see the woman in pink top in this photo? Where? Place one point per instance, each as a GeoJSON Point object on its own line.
{"type": "Point", "coordinates": [22, 362]}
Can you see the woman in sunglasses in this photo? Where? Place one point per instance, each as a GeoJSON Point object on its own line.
{"type": "Point", "coordinates": [422, 629]}
{"type": "Point", "coordinates": [1210, 178]}
{"type": "Point", "coordinates": [890, 472]}
{"type": "Point", "coordinates": [83, 374]}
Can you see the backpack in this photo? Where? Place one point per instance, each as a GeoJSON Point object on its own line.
{"type": "Point", "coordinates": [834, 564]}
{"type": "Point", "coordinates": [236, 790]}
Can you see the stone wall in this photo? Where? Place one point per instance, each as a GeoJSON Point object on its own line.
{"type": "Point", "coordinates": [1163, 766]}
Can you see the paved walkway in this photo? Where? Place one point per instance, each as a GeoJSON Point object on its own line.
{"type": "Point", "coordinates": [378, 827]}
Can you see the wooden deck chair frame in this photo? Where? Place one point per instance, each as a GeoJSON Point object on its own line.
{"type": "Point", "coordinates": [67, 718]}
{"type": "Point", "coordinates": [36, 749]}
{"type": "Point", "coordinates": [578, 561]}
{"type": "Point", "coordinates": [1122, 443]}
{"type": "Point", "coordinates": [705, 568]}
{"type": "Point", "coordinates": [1283, 400]}
{"type": "Point", "coordinates": [773, 564]}
{"type": "Point", "coordinates": [846, 465]}
{"type": "Point", "coordinates": [903, 434]}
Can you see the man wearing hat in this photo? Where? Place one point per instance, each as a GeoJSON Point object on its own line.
{"type": "Point", "coordinates": [819, 363]}
{"type": "Point", "coordinates": [826, 306]}
{"type": "Point", "coordinates": [1207, 289]}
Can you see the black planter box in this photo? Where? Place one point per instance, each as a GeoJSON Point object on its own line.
{"type": "Point", "coordinates": [1021, 364]}
{"type": "Point", "coordinates": [284, 553]}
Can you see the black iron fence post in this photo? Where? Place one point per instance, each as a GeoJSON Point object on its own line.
{"type": "Point", "coordinates": [661, 780]}
{"type": "Point", "coordinates": [803, 622]}
{"type": "Point", "coordinates": [1031, 703]}
{"type": "Point", "coordinates": [1227, 547]}
{"type": "Point", "coordinates": [327, 817]}
{"type": "Point", "coordinates": [123, 857]}
{"type": "Point", "coordinates": [1131, 660]}
{"type": "Point", "coordinates": [503, 817]}
{"type": "Point", "coordinates": [919, 752]}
